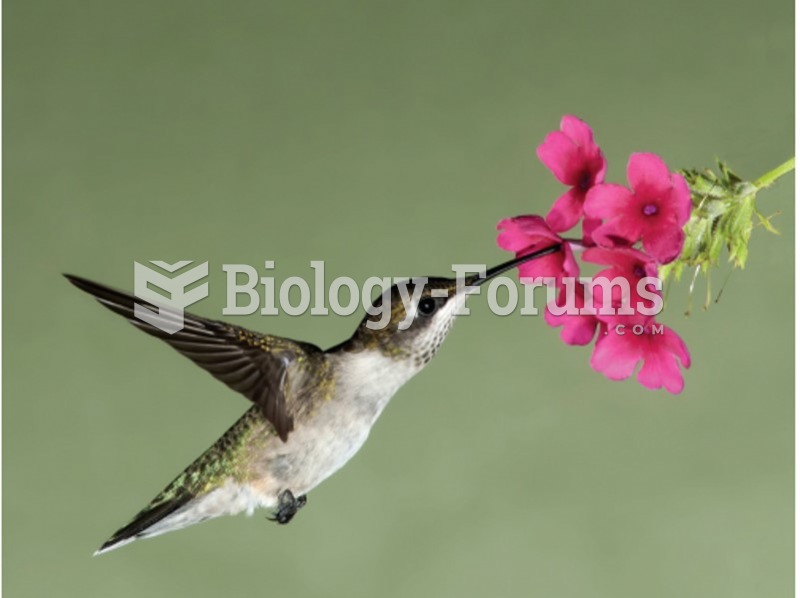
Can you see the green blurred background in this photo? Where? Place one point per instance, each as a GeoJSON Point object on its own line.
{"type": "Point", "coordinates": [387, 139]}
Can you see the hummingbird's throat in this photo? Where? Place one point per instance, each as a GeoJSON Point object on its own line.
{"type": "Point", "coordinates": [430, 338]}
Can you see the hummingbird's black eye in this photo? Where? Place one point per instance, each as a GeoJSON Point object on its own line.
{"type": "Point", "coordinates": [427, 306]}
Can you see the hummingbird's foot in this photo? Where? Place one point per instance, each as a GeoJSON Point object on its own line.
{"type": "Point", "coordinates": [288, 506]}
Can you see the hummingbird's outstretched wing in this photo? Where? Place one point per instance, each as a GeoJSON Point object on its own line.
{"type": "Point", "coordinates": [254, 364]}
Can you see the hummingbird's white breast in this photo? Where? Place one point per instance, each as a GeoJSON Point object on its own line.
{"type": "Point", "coordinates": [339, 427]}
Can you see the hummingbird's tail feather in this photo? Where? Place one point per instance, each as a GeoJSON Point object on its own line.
{"type": "Point", "coordinates": [141, 525]}
{"type": "Point", "coordinates": [213, 485]}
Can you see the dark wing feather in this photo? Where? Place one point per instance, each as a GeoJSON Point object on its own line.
{"type": "Point", "coordinates": [254, 364]}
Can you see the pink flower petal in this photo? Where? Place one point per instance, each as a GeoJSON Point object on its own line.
{"type": "Point", "coordinates": [609, 277]}
{"type": "Point", "coordinates": [624, 258]}
{"type": "Point", "coordinates": [577, 330]}
{"type": "Point", "coordinates": [519, 233]}
{"type": "Point", "coordinates": [570, 264]}
{"type": "Point", "coordinates": [615, 233]}
{"type": "Point", "coordinates": [510, 237]}
{"type": "Point", "coordinates": [598, 166]}
{"type": "Point", "coordinates": [548, 266]}
{"type": "Point", "coordinates": [614, 356]}
{"type": "Point", "coordinates": [681, 199]}
{"type": "Point", "coordinates": [566, 211]}
{"type": "Point", "coordinates": [526, 234]}
{"type": "Point", "coordinates": [674, 343]}
{"type": "Point", "coordinates": [648, 175]}
{"type": "Point", "coordinates": [607, 201]}
{"type": "Point", "coordinates": [662, 352]}
{"type": "Point", "coordinates": [664, 243]}
{"type": "Point", "coordinates": [661, 369]}
{"type": "Point", "coordinates": [556, 265]}
{"type": "Point", "coordinates": [535, 227]}
{"type": "Point", "coordinates": [589, 226]}
{"type": "Point", "coordinates": [617, 293]}
{"type": "Point", "coordinates": [578, 131]}
{"type": "Point", "coordinates": [562, 156]}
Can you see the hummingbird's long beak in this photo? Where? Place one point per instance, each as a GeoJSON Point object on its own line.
{"type": "Point", "coordinates": [477, 280]}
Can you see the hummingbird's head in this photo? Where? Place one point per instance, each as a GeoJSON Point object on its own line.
{"type": "Point", "coordinates": [411, 319]}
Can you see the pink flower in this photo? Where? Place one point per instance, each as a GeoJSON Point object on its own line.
{"type": "Point", "coordinates": [578, 329]}
{"type": "Point", "coordinates": [655, 211]}
{"type": "Point", "coordinates": [631, 266]}
{"type": "Point", "coordinates": [618, 352]}
{"type": "Point", "coordinates": [573, 157]}
{"type": "Point", "coordinates": [526, 234]}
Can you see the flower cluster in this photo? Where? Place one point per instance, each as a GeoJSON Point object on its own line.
{"type": "Point", "coordinates": [632, 231]}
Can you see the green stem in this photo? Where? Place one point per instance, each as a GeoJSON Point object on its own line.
{"type": "Point", "coordinates": [773, 175]}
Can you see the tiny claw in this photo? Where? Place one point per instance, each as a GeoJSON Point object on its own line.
{"type": "Point", "coordinates": [288, 506]}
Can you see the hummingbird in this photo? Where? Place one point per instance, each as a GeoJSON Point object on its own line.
{"type": "Point", "coordinates": [312, 409]}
